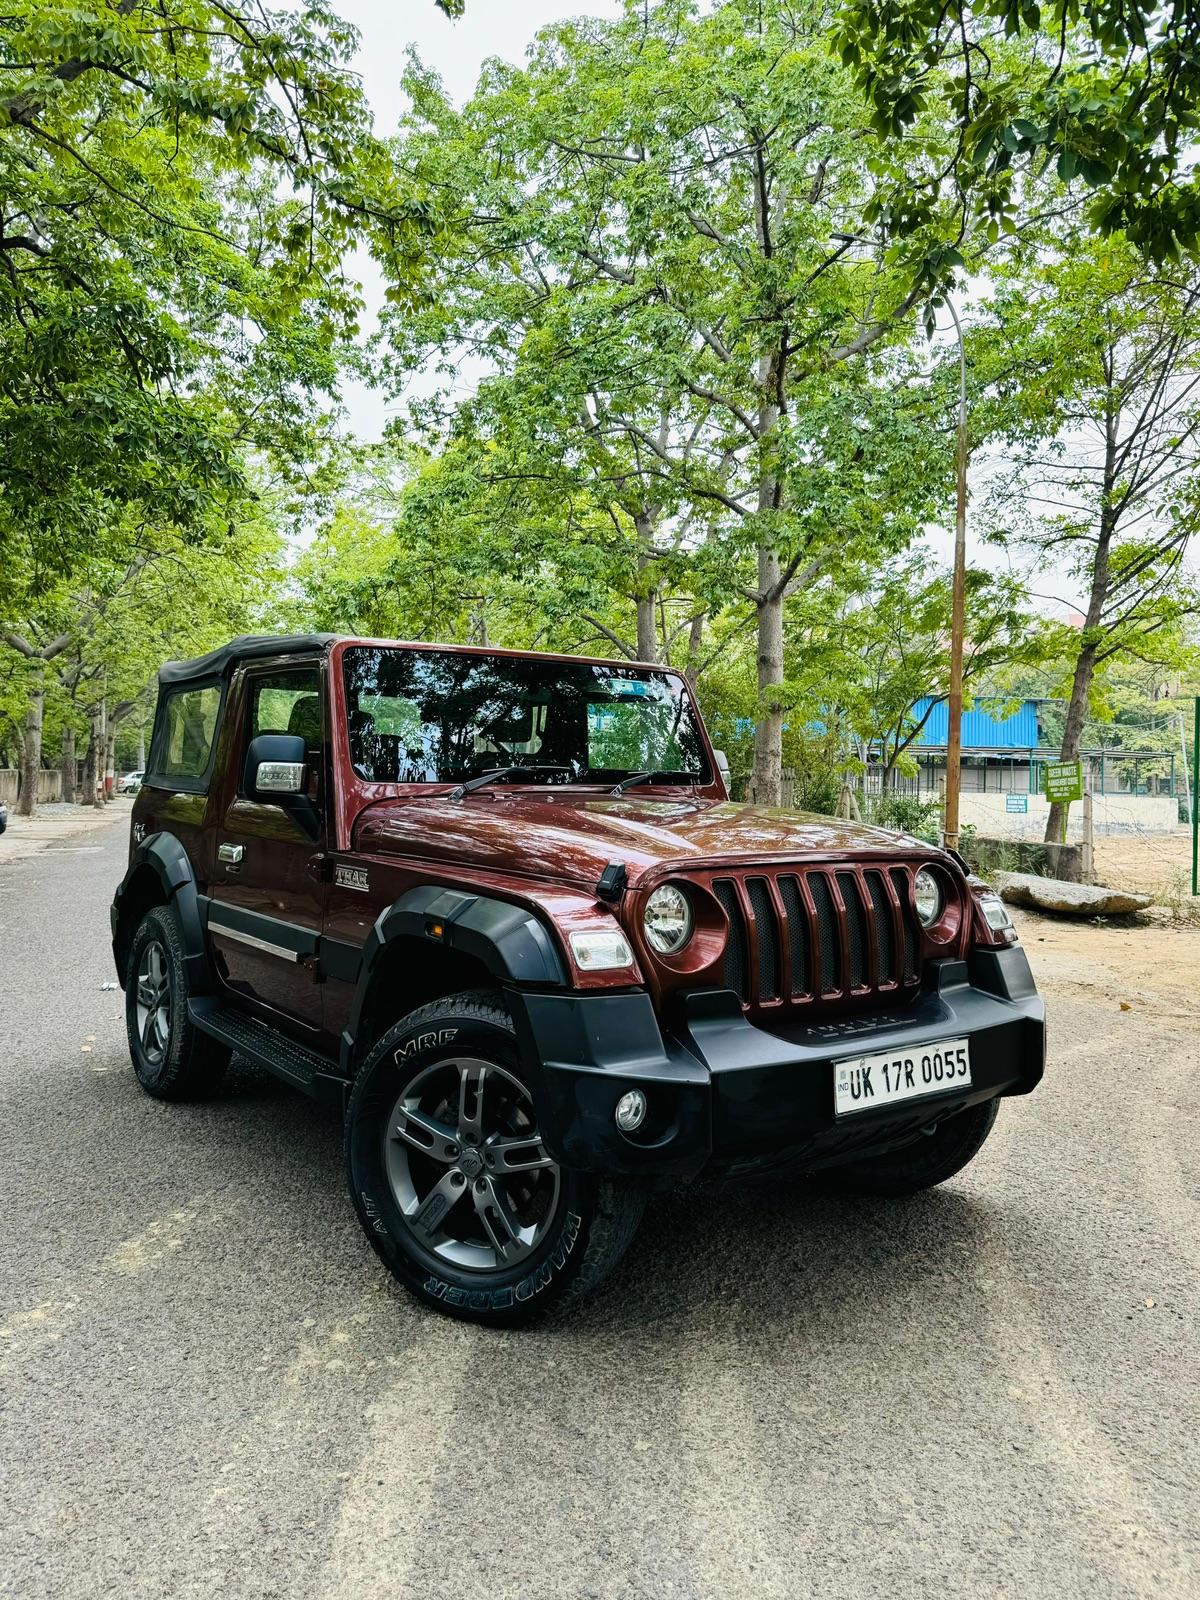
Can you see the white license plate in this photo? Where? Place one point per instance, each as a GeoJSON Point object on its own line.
{"type": "Point", "coordinates": [864, 1083]}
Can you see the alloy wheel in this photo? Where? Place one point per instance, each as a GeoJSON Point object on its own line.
{"type": "Point", "coordinates": [153, 1002]}
{"type": "Point", "coordinates": [467, 1167]}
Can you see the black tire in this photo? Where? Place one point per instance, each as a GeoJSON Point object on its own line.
{"type": "Point", "coordinates": [930, 1160]}
{"type": "Point", "coordinates": [540, 1239]}
{"type": "Point", "coordinates": [172, 1058]}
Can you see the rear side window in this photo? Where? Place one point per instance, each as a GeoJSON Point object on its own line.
{"type": "Point", "coordinates": [186, 732]}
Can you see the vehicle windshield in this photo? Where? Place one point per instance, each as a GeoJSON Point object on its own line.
{"type": "Point", "coordinates": [436, 716]}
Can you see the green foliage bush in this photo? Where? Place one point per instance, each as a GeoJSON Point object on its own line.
{"type": "Point", "coordinates": [907, 813]}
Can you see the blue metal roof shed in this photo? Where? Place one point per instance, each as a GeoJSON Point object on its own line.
{"type": "Point", "coordinates": [981, 730]}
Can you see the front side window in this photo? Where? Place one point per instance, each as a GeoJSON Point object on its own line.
{"type": "Point", "coordinates": [288, 702]}
{"type": "Point", "coordinates": [432, 716]}
{"type": "Point", "coordinates": [187, 729]}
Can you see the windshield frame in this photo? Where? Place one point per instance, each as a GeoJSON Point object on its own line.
{"type": "Point", "coordinates": [707, 782]}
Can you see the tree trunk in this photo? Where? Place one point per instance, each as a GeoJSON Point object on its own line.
{"type": "Point", "coordinates": [647, 591]}
{"type": "Point", "coordinates": [87, 787]}
{"type": "Point", "coordinates": [68, 763]}
{"type": "Point", "coordinates": [1081, 684]}
{"type": "Point", "coordinates": [1085, 661]}
{"type": "Point", "coordinates": [768, 733]}
{"type": "Point", "coordinates": [95, 761]}
{"type": "Point", "coordinates": [110, 754]}
{"type": "Point", "coordinates": [141, 747]}
{"type": "Point", "coordinates": [31, 752]}
{"type": "Point", "coordinates": [101, 734]}
{"type": "Point", "coordinates": [695, 645]}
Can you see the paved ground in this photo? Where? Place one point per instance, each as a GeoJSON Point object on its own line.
{"type": "Point", "coordinates": [208, 1388]}
{"type": "Point", "coordinates": [56, 824]}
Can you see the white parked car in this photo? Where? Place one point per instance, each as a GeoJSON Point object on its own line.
{"type": "Point", "coordinates": [130, 783]}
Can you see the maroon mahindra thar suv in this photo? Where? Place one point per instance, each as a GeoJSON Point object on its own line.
{"type": "Point", "coordinates": [500, 906]}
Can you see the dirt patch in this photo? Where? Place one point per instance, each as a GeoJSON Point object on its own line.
{"type": "Point", "coordinates": [1158, 864]}
{"type": "Point", "coordinates": [1124, 964]}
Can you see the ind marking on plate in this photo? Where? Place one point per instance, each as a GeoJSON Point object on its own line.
{"type": "Point", "coordinates": [352, 878]}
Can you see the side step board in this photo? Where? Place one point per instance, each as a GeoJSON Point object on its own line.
{"type": "Point", "coordinates": [305, 1069]}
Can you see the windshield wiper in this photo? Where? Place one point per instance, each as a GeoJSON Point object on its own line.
{"type": "Point", "coordinates": [628, 783]}
{"type": "Point", "coordinates": [497, 773]}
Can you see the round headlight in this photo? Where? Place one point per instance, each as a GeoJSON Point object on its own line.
{"type": "Point", "coordinates": [928, 897]}
{"type": "Point", "coordinates": [668, 920]}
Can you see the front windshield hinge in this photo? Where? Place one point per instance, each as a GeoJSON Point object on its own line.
{"type": "Point", "coordinates": [613, 882]}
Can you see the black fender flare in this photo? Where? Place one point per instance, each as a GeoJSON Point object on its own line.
{"type": "Point", "coordinates": [162, 854]}
{"type": "Point", "coordinates": [511, 941]}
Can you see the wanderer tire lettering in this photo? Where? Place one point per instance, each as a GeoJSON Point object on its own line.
{"type": "Point", "coordinates": [504, 1299]}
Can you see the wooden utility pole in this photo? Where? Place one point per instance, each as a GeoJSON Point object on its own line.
{"type": "Point", "coordinates": [958, 609]}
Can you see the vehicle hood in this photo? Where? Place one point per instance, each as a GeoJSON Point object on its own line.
{"type": "Point", "coordinates": [573, 838]}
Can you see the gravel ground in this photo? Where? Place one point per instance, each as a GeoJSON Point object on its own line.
{"type": "Point", "coordinates": [208, 1388]}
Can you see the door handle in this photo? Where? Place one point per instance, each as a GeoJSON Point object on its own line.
{"type": "Point", "coordinates": [231, 853]}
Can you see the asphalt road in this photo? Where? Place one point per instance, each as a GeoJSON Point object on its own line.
{"type": "Point", "coordinates": [209, 1388]}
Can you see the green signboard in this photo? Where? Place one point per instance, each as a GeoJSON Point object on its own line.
{"type": "Point", "coordinates": [1063, 781]}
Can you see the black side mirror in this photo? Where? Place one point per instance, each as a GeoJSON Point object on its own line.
{"type": "Point", "coordinates": [275, 772]}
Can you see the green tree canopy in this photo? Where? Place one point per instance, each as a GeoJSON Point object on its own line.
{"type": "Point", "coordinates": [658, 252]}
{"type": "Point", "coordinates": [1106, 492]}
{"type": "Point", "coordinates": [180, 183]}
{"type": "Point", "coordinates": [1107, 92]}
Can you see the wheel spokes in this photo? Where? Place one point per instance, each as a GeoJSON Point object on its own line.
{"type": "Point", "coordinates": [500, 1223]}
{"type": "Point", "coordinates": [471, 1079]}
{"type": "Point", "coordinates": [154, 1002]}
{"type": "Point", "coordinates": [150, 1030]}
{"type": "Point", "coordinates": [426, 1134]}
{"type": "Point", "coordinates": [475, 1121]}
{"type": "Point", "coordinates": [520, 1153]}
{"type": "Point", "coordinates": [428, 1216]}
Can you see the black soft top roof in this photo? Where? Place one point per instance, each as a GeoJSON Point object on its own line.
{"type": "Point", "coordinates": [246, 647]}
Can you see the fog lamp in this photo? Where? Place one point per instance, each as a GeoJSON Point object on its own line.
{"type": "Point", "coordinates": [631, 1110]}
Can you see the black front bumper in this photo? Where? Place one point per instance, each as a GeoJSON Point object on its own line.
{"type": "Point", "coordinates": [727, 1097]}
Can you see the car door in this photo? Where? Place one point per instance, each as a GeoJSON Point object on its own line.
{"type": "Point", "coordinates": [267, 895]}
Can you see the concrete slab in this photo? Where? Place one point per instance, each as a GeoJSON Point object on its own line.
{"type": "Point", "coordinates": [1071, 899]}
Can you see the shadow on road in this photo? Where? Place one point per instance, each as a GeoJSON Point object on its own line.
{"type": "Point", "coordinates": [777, 1255]}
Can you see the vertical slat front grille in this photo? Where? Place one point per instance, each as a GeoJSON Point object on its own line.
{"type": "Point", "coordinates": [881, 912]}
{"type": "Point", "coordinates": [856, 927]}
{"type": "Point", "coordinates": [768, 938]}
{"type": "Point", "coordinates": [900, 881]}
{"type": "Point", "coordinates": [798, 934]}
{"type": "Point", "coordinates": [737, 963]}
{"type": "Point", "coordinates": [829, 939]}
{"type": "Point", "coordinates": [819, 932]}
